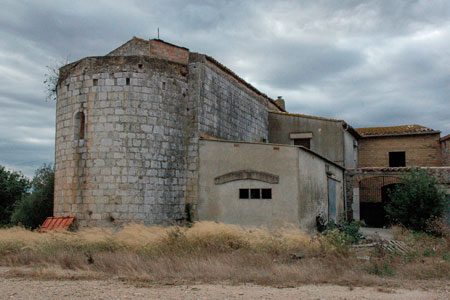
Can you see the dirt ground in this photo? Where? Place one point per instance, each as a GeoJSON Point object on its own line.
{"type": "Point", "coordinates": [32, 288]}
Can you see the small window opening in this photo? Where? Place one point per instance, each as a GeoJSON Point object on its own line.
{"type": "Point", "coordinates": [128, 81]}
{"type": "Point", "coordinates": [266, 193]}
{"type": "Point", "coordinates": [140, 66]}
{"type": "Point", "coordinates": [95, 82]}
{"type": "Point", "coordinates": [79, 126]}
{"type": "Point", "coordinates": [255, 193]}
{"type": "Point", "coordinates": [243, 194]}
{"type": "Point", "coordinates": [397, 159]}
{"type": "Point", "coordinates": [303, 142]}
{"type": "Point", "coordinates": [163, 85]}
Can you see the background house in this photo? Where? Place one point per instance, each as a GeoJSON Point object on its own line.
{"type": "Point", "coordinates": [385, 155]}
{"type": "Point", "coordinates": [331, 138]}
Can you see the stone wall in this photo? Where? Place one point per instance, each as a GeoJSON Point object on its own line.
{"type": "Point", "coordinates": [153, 48]}
{"type": "Point", "coordinates": [163, 50]}
{"type": "Point", "coordinates": [421, 150]}
{"type": "Point", "coordinates": [445, 148]}
{"type": "Point", "coordinates": [133, 47]}
{"type": "Point", "coordinates": [354, 177]}
{"type": "Point", "coordinates": [222, 107]}
{"type": "Point", "coordinates": [144, 106]}
{"type": "Point", "coordinates": [131, 165]}
{"type": "Point", "coordinates": [226, 109]}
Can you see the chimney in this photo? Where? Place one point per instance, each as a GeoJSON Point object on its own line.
{"type": "Point", "coordinates": [280, 102]}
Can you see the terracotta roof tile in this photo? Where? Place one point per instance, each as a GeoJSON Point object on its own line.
{"type": "Point", "coordinates": [395, 130]}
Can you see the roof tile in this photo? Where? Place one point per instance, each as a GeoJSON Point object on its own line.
{"type": "Point", "coordinates": [395, 130]}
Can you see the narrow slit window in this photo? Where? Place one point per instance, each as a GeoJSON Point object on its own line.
{"type": "Point", "coordinates": [79, 126]}
{"type": "Point", "coordinates": [244, 194]}
{"type": "Point", "coordinates": [163, 85]}
{"type": "Point", "coordinates": [95, 82]}
{"type": "Point", "coordinates": [128, 81]}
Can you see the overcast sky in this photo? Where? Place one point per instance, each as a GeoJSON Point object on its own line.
{"type": "Point", "coordinates": [371, 63]}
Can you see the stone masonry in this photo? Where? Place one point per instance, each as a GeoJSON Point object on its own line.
{"type": "Point", "coordinates": [445, 148]}
{"type": "Point", "coordinates": [421, 150]}
{"type": "Point", "coordinates": [144, 105]}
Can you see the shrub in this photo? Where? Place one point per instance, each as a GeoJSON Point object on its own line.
{"type": "Point", "coordinates": [13, 187]}
{"type": "Point", "coordinates": [344, 232]}
{"type": "Point", "coordinates": [33, 209]}
{"type": "Point", "coordinates": [416, 201]}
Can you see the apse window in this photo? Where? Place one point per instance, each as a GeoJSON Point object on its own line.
{"type": "Point", "coordinates": [397, 159]}
{"type": "Point", "coordinates": [79, 121]}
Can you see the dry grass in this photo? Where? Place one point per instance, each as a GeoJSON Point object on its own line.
{"type": "Point", "coordinates": [210, 252]}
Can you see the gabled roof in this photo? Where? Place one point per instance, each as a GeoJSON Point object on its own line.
{"type": "Point", "coordinates": [395, 130]}
{"type": "Point", "coordinates": [444, 138]}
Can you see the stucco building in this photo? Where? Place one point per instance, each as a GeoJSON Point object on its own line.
{"type": "Point", "coordinates": [385, 155]}
{"type": "Point", "coordinates": [331, 138]}
{"type": "Point", "coordinates": [129, 147]}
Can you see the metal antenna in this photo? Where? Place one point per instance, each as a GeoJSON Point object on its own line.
{"type": "Point", "coordinates": [158, 33]}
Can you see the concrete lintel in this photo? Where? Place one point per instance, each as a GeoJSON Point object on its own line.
{"type": "Point", "coordinates": [247, 174]}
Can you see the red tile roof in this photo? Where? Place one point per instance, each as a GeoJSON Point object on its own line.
{"type": "Point", "coordinates": [395, 130]}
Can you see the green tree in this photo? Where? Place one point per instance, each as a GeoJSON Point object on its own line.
{"type": "Point", "coordinates": [13, 187]}
{"type": "Point", "coordinates": [416, 201]}
{"type": "Point", "coordinates": [33, 209]}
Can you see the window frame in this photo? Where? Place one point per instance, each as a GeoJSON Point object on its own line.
{"type": "Point", "coordinates": [249, 196]}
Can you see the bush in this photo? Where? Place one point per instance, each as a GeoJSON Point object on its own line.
{"type": "Point", "coordinates": [416, 201]}
{"type": "Point", "coordinates": [13, 187]}
{"type": "Point", "coordinates": [345, 232]}
{"type": "Point", "coordinates": [33, 209]}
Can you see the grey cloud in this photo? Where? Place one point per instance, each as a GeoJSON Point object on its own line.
{"type": "Point", "coordinates": [371, 63]}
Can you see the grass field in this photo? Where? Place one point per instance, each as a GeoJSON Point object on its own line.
{"type": "Point", "coordinates": [211, 252]}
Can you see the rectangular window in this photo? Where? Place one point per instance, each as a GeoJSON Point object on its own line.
{"type": "Point", "coordinates": [303, 142]}
{"type": "Point", "coordinates": [255, 194]}
{"type": "Point", "coordinates": [266, 193]}
{"type": "Point", "coordinates": [243, 193]}
{"type": "Point", "coordinates": [397, 159]}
